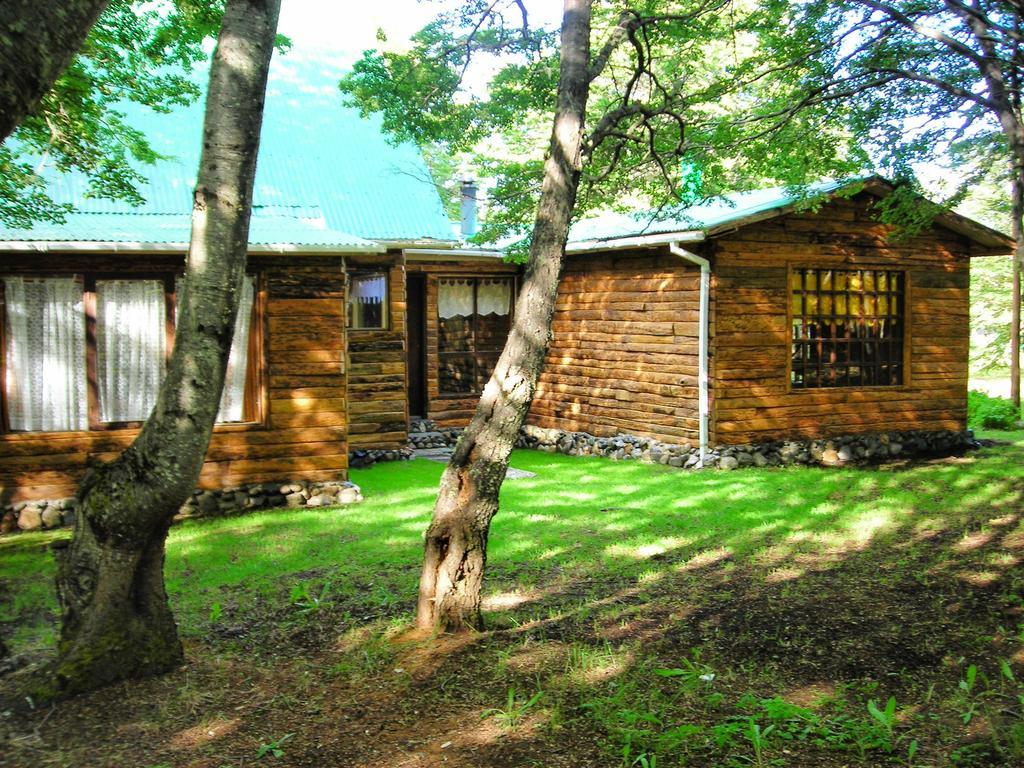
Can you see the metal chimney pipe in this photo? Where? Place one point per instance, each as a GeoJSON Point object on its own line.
{"type": "Point", "coordinates": [467, 208]}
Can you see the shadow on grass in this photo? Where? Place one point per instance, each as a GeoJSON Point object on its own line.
{"type": "Point", "coordinates": [879, 581]}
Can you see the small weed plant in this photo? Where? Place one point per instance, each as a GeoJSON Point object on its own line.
{"type": "Point", "coordinates": [307, 601]}
{"type": "Point", "coordinates": [273, 748]}
{"type": "Point", "coordinates": [516, 708]}
{"type": "Point", "coordinates": [692, 674]}
{"type": "Point", "coordinates": [758, 738]}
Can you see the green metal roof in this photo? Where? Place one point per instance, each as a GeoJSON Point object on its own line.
{"type": "Point", "coordinates": [325, 176]}
{"type": "Point", "coordinates": [709, 215]}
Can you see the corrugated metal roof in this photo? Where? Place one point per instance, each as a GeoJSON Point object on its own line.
{"type": "Point", "coordinates": [706, 216]}
{"type": "Point", "coordinates": [325, 176]}
{"type": "Point", "coordinates": [174, 228]}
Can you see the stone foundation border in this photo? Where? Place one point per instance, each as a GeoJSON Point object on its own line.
{"type": "Point", "coordinates": [828, 452]}
{"type": "Point", "coordinates": [362, 458]}
{"type": "Point", "coordinates": [45, 515]}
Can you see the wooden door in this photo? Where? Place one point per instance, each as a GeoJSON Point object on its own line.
{"type": "Point", "coordinates": [416, 361]}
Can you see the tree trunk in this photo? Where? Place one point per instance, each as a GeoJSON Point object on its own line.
{"type": "Point", "coordinates": [116, 622]}
{"type": "Point", "coordinates": [1018, 263]}
{"type": "Point", "coordinates": [456, 541]}
{"type": "Point", "coordinates": [38, 39]}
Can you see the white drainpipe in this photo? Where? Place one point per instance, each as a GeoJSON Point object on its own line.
{"type": "Point", "coordinates": [703, 403]}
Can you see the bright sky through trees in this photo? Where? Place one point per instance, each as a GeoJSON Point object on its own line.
{"type": "Point", "coordinates": [347, 28]}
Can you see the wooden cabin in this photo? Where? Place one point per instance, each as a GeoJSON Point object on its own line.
{"type": "Point", "coordinates": [757, 318]}
{"type": "Point", "coordinates": [318, 366]}
{"type": "Point", "coordinates": [820, 322]}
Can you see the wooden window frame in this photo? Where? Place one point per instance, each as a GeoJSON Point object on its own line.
{"type": "Point", "coordinates": [256, 407]}
{"type": "Point", "coordinates": [5, 425]}
{"type": "Point", "coordinates": [354, 275]}
{"type": "Point", "coordinates": [907, 336]}
{"type": "Point", "coordinates": [441, 394]}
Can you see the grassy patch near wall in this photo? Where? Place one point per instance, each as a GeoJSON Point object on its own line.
{"type": "Point", "coordinates": [638, 615]}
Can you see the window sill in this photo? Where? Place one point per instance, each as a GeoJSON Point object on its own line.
{"type": "Point", "coordinates": [239, 426]}
{"type": "Point", "coordinates": [853, 388]}
{"type": "Point", "coordinates": [118, 430]}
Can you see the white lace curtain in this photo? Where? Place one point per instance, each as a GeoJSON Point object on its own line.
{"type": "Point", "coordinates": [45, 354]}
{"type": "Point", "coordinates": [232, 401]}
{"type": "Point", "coordinates": [493, 297]}
{"type": "Point", "coordinates": [455, 297]}
{"type": "Point", "coordinates": [367, 302]}
{"type": "Point", "coordinates": [130, 347]}
{"type": "Point", "coordinates": [370, 289]}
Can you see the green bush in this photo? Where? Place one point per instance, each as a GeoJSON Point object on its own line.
{"type": "Point", "coordinates": [990, 412]}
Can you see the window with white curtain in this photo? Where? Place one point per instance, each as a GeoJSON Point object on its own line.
{"type": "Point", "coordinates": [131, 335]}
{"type": "Point", "coordinates": [474, 319]}
{"type": "Point", "coordinates": [236, 376]}
{"type": "Point", "coordinates": [232, 401]}
{"type": "Point", "coordinates": [367, 301]}
{"type": "Point", "coordinates": [48, 350]}
{"type": "Point", "coordinates": [45, 354]}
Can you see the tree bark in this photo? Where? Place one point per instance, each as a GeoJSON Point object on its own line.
{"type": "Point", "coordinates": [116, 622]}
{"type": "Point", "coordinates": [38, 39]}
{"type": "Point", "coordinates": [1017, 208]}
{"type": "Point", "coordinates": [455, 552]}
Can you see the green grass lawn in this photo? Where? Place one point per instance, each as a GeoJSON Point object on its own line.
{"type": "Point", "coordinates": [662, 614]}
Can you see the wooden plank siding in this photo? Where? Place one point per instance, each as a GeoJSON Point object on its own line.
{"type": "Point", "coordinates": [378, 407]}
{"type": "Point", "coordinates": [450, 410]}
{"type": "Point", "coordinates": [752, 398]}
{"type": "Point", "coordinates": [302, 427]}
{"type": "Point", "coordinates": [623, 355]}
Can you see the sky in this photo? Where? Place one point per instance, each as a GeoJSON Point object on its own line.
{"type": "Point", "coordinates": [342, 29]}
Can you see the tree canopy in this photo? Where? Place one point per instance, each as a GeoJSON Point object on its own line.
{"type": "Point", "coordinates": [684, 103]}
{"type": "Point", "coordinates": [140, 53]}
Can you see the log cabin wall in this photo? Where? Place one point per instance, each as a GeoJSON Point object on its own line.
{"type": "Point", "coordinates": [450, 410]}
{"type": "Point", "coordinates": [378, 407]}
{"type": "Point", "coordinates": [752, 396]}
{"type": "Point", "coordinates": [301, 429]}
{"type": "Point", "coordinates": [623, 355]}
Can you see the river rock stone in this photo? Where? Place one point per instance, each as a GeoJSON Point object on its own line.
{"type": "Point", "coordinates": [51, 517]}
{"type": "Point", "coordinates": [350, 495]}
{"type": "Point", "coordinates": [30, 518]}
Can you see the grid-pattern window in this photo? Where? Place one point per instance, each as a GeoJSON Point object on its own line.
{"type": "Point", "coordinates": [474, 319]}
{"type": "Point", "coordinates": [847, 328]}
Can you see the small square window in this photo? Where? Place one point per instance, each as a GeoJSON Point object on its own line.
{"type": "Point", "coordinates": [368, 301]}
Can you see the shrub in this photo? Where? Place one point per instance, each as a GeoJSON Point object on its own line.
{"type": "Point", "coordinates": [990, 412]}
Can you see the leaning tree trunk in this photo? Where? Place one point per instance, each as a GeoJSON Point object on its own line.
{"type": "Point", "coordinates": [456, 541]}
{"type": "Point", "coordinates": [38, 39]}
{"type": "Point", "coordinates": [116, 622]}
